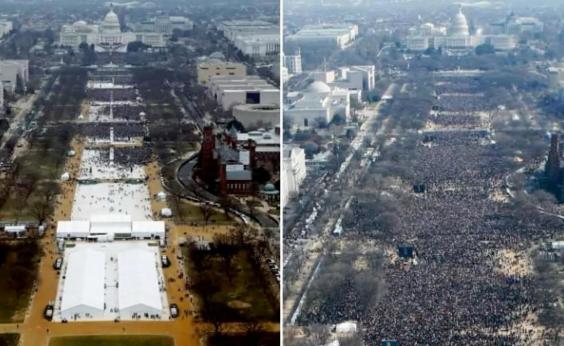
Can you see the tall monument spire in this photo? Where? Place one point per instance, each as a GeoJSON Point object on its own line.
{"type": "Point", "coordinates": [552, 167]}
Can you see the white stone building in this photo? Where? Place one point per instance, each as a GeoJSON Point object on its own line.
{"type": "Point", "coordinates": [457, 37]}
{"type": "Point", "coordinates": [9, 72]}
{"type": "Point", "coordinates": [257, 116]}
{"type": "Point", "coordinates": [514, 24]}
{"type": "Point", "coordinates": [107, 35]}
{"type": "Point", "coordinates": [293, 63]}
{"type": "Point", "coordinates": [229, 91]}
{"type": "Point", "coordinates": [165, 25]}
{"type": "Point", "coordinates": [356, 77]}
{"type": "Point", "coordinates": [213, 67]}
{"type": "Point", "coordinates": [294, 171]}
{"type": "Point", "coordinates": [5, 27]}
{"type": "Point", "coordinates": [338, 35]}
{"type": "Point", "coordinates": [319, 102]}
{"type": "Point", "coordinates": [254, 38]}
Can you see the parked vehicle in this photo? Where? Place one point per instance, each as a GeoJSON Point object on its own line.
{"type": "Point", "coordinates": [165, 261]}
{"type": "Point", "coordinates": [58, 264]}
{"type": "Point", "coordinates": [174, 312]}
{"type": "Point", "coordinates": [48, 312]}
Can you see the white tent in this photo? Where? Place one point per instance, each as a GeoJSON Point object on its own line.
{"type": "Point", "coordinates": [106, 227]}
{"type": "Point", "coordinates": [161, 196]}
{"type": "Point", "coordinates": [348, 327]}
{"type": "Point", "coordinates": [138, 283]}
{"type": "Point", "coordinates": [148, 229]}
{"type": "Point", "coordinates": [333, 343]}
{"type": "Point", "coordinates": [73, 229]}
{"type": "Point", "coordinates": [83, 289]}
{"type": "Point", "coordinates": [166, 212]}
{"type": "Point", "coordinates": [65, 176]}
{"type": "Point", "coordinates": [17, 230]}
{"type": "Point", "coordinates": [110, 224]}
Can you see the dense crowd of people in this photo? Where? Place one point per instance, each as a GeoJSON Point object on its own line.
{"type": "Point", "coordinates": [452, 87]}
{"type": "Point", "coordinates": [459, 164]}
{"type": "Point", "coordinates": [453, 291]}
{"type": "Point", "coordinates": [467, 121]}
{"type": "Point", "coordinates": [131, 112]}
{"type": "Point", "coordinates": [132, 156]}
{"type": "Point", "coordinates": [455, 294]}
{"type": "Point", "coordinates": [116, 95]}
{"type": "Point", "coordinates": [121, 131]}
{"type": "Point", "coordinates": [117, 78]}
{"type": "Point", "coordinates": [463, 103]}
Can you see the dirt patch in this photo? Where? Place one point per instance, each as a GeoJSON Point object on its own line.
{"type": "Point", "coordinates": [512, 263]}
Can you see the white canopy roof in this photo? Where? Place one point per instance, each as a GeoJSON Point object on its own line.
{"type": "Point", "coordinates": [84, 284]}
{"type": "Point", "coordinates": [346, 327]}
{"type": "Point", "coordinates": [149, 227]}
{"type": "Point", "coordinates": [109, 225]}
{"type": "Point", "coordinates": [73, 227]}
{"type": "Point", "coordinates": [15, 229]}
{"type": "Point", "coordinates": [138, 280]}
{"type": "Point", "coordinates": [115, 218]}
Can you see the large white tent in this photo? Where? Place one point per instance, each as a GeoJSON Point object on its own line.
{"type": "Point", "coordinates": [83, 290]}
{"type": "Point", "coordinates": [148, 229]}
{"type": "Point", "coordinates": [139, 291]}
{"type": "Point", "coordinates": [110, 227]}
{"type": "Point", "coordinates": [110, 224]}
{"type": "Point", "coordinates": [107, 281]}
{"type": "Point", "coordinates": [73, 229]}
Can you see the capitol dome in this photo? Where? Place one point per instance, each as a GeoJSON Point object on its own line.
{"type": "Point", "coordinates": [111, 22]}
{"type": "Point", "coordinates": [428, 26]}
{"type": "Point", "coordinates": [459, 26]}
{"type": "Point", "coordinates": [318, 87]}
{"type": "Point", "coordinates": [111, 18]}
{"type": "Point", "coordinates": [80, 26]}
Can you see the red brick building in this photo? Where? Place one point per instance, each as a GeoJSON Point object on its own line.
{"type": "Point", "coordinates": [228, 159]}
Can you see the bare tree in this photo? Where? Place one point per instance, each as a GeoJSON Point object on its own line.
{"type": "Point", "coordinates": [41, 209]}
{"type": "Point", "coordinates": [207, 211]}
{"type": "Point", "coordinates": [177, 205]}
{"type": "Point", "coordinates": [226, 204]}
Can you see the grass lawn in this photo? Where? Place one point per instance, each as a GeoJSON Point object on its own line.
{"type": "Point", "coordinates": [229, 290]}
{"type": "Point", "coordinates": [18, 270]}
{"type": "Point", "coordinates": [66, 95]}
{"type": "Point", "coordinates": [9, 339]}
{"type": "Point", "coordinates": [191, 212]}
{"type": "Point", "coordinates": [256, 339]}
{"type": "Point", "coordinates": [108, 340]}
{"type": "Point", "coordinates": [36, 179]}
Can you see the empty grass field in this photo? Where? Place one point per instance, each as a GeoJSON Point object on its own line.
{"type": "Point", "coordinates": [253, 339]}
{"type": "Point", "coordinates": [9, 339]}
{"type": "Point", "coordinates": [188, 212]}
{"type": "Point", "coordinates": [109, 340]}
{"type": "Point", "coordinates": [18, 270]}
{"type": "Point", "coordinates": [230, 289]}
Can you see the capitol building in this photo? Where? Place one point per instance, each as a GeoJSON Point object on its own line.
{"type": "Point", "coordinates": [456, 37]}
{"type": "Point", "coordinates": [107, 35]}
